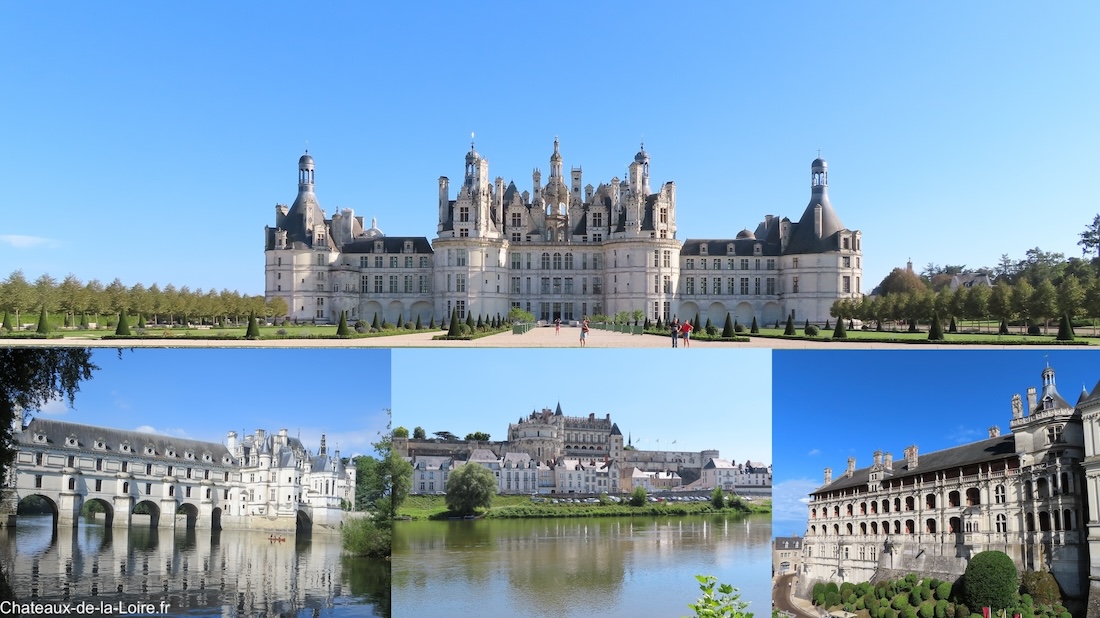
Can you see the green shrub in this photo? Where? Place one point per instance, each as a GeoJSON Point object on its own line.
{"type": "Point", "coordinates": [123, 327]}
{"type": "Point", "coordinates": [900, 601]}
{"type": "Point", "coordinates": [990, 580]}
{"type": "Point", "coordinates": [1065, 329]}
{"type": "Point", "coordinates": [755, 328]}
{"type": "Point", "coordinates": [1041, 586]}
{"type": "Point", "coordinates": [739, 328]}
{"type": "Point", "coordinates": [935, 333]}
{"type": "Point", "coordinates": [726, 602]}
{"type": "Point", "coordinates": [943, 591]}
{"type": "Point", "coordinates": [790, 326]}
{"type": "Point", "coordinates": [925, 592]}
{"type": "Point", "coordinates": [914, 597]}
{"type": "Point", "coordinates": [819, 588]}
{"type": "Point", "coordinates": [941, 609]}
{"type": "Point", "coordinates": [342, 329]}
{"type": "Point", "coordinates": [927, 609]}
{"type": "Point", "coordinates": [909, 612]}
{"type": "Point", "coordinates": [811, 331]}
{"type": "Point", "coordinates": [840, 332]}
{"type": "Point", "coordinates": [43, 322]}
{"type": "Point", "coordinates": [366, 537]}
{"type": "Point", "coordinates": [832, 599]}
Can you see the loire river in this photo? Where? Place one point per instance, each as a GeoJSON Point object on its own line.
{"type": "Point", "coordinates": [195, 572]}
{"type": "Point", "coordinates": [601, 566]}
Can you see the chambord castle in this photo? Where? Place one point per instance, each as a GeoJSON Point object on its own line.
{"type": "Point", "coordinates": [562, 250]}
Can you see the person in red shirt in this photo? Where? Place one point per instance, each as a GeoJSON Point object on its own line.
{"type": "Point", "coordinates": [685, 333]}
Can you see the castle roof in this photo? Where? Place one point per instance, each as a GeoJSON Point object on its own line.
{"type": "Point", "coordinates": [390, 244]}
{"type": "Point", "coordinates": [57, 432]}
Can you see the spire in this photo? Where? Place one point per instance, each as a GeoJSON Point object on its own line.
{"type": "Point", "coordinates": [322, 451]}
{"type": "Point", "coordinates": [557, 412]}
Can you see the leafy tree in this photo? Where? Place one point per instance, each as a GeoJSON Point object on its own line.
{"type": "Point", "coordinates": [990, 580]}
{"type": "Point", "coordinates": [638, 496]}
{"type": "Point", "coordinates": [276, 307]}
{"type": "Point", "coordinates": [977, 302]}
{"type": "Point", "coordinates": [717, 497]}
{"type": "Point", "coordinates": [900, 281]}
{"type": "Point", "coordinates": [18, 294]}
{"type": "Point", "coordinates": [7, 322]}
{"type": "Point", "coordinates": [419, 434]}
{"type": "Point", "coordinates": [724, 603]}
{"type": "Point", "coordinates": [470, 487]}
{"type": "Point", "coordinates": [1000, 301]}
{"type": "Point", "coordinates": [1090, 238]}
{"type": "Point", "coordinates": [401, 432]}
{"type": "Point", "coordinates": [480, 436]}
{"type": "Point", "coordinates": [445, 435]}
{"type": "Point", "coordinates": [1021, 299]}
{"type": "Point", "coordinates": [519, 315]}
{"type": "Point", "coordinates": [342, 329]}
{"type": "Point", "coordinates": [43, 322]}
{"type": "Point", "coordinates": [32, 377]}
{"type": "Point", "coordinates": [1071, 296]}
{"type": "Point", "coordinates": [1044, 302]}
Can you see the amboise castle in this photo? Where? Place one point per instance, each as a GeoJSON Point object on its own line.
{"type": "Point", "coordinates": [548, 452]}
{"type": "Point", "coordinates": [1033, 494]}
{"type": "Point", "coordinates": [263, 481]}
{"type": "Point", "coordinates": [561, 250]}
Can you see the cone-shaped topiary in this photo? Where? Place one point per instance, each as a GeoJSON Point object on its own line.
{"type": "Point", "coordinates": [123, 327]}
{"type": "Point", "coordinates": [431, 323]}
{"type": "Point", "coordinates": [695, 322]}
{"type": "Point", "coordinates": [728, 329]}
{"type": "Point", "coordinates": [709, 325]}
{"type": "Point", "coordinates": [1065, 328]}
{"type": "Point", "coordinates": [7, 322]}
{"type": "Point", "coordinates": [935, 331]}
{"type": "Point", "coordinates": [646, 325]}
{"type": "Point", "coordinates": [660, 323]}
{"type": "Point", "coordinates": [141, 320]}
{"type": "Point", "coordinates": [755, 328]}
{"type": "Point", "coordinates": [399, 322]}
{"type": "Point", "coordinates": [253, 331]}
{"type": "Point", "coordinates": [375, 325]}
{"type": "Point", "coordinates": [807, 324]}
{"type": "Point", "coordinates": [840, 332]}
{"type": "Point", "coordinates": [453, 330]}
{"type": "Point", "coordinates": [419, 324]}
{"type": "Point", "coordinates": [736, 325]}
{"type": "Point", "coordinates": [43, 322]}
{"type": "Point", "coordinates": [953, 328]}
{"type": "Point", "coordinates": [84, 320]}
{"type": "Point", "coordinates": [1003, 330]}
{"type": "Point", "coordinates": [790, 326]}
{"type": "Point", "coordinates": [827, 327]}
{"type": "Point", "coordinates": [479, 324]}
{"type": "Point", "coordinates": [470, 321]}
{"type": "Point", "coordinates": [342, 328]}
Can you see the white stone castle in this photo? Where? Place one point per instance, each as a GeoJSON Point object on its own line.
{"type": "Point", "coordinates": [1033, 494]}
{"type": "Point", "coordinates": [259, 481]}
{"type": "Point", "coordinates": [562, 250]}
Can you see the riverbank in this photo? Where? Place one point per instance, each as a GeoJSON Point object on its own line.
{"type": "Point", "coordinates": [523, 507]}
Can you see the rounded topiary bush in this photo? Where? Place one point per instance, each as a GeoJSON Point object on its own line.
{"type": "Point", "coordinates": [990, 581]}
{"type": "Point", "coordinates": [811, 331]}
{"type": "Point", "coordinates": [1039, 586]}
{"type": "Point", "coordinates": [740, 328]}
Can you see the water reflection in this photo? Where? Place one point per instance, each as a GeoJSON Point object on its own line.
{"type": "Point", "coordinates": [198, 573]}
{"type": "Point", "coordinates": [577, 567]}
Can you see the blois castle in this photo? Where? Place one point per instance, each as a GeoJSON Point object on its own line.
{"type": "Point", "coordinates": [561, 250]}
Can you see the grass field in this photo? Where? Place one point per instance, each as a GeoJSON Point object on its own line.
{"type": "Point", "coordinates": [213, 332]}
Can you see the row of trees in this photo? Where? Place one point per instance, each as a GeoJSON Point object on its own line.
{"type": "Point", "coordinates": [19, 296]}
{"type": "Point", "coordinates": [419, 434]}
{"type": "Point", "coordinates": [1004, 301]}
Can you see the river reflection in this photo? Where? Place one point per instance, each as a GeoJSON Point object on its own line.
{"type": "Point", "coordinates": [576, 567]}
{"type": "Point", "coordinates": [197, 572]}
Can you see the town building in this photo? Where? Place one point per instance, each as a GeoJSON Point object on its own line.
{"type": "Point", "coordinates": [786, 555]}
{"type": "Point", "coordinates": [548, 451]}
{"type": "Point", "coordinates": [1031, 494]}
{"type": "Point", "coordinates": [561, 249]}
{"type": "Point", "coordinates": [260, 481]}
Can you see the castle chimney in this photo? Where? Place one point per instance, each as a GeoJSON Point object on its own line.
{"type": "Point", "coordinates": [851, 467]}
{"type": "Point", "coordinates": [1030, 399]}
{"type": "Point", "coordinates": [994, 432]}
{"type": "Point", "coordinates": [888, 461]}
{"type": "Point", "coordinates": [878, 458]}
{"type": "Point", "coordinates": [911, 456]}
{"type": "Point", "coordinates": [231, 442]}
{"type": "Point", "coordinates": [828, 475]}
{"type": "Point", "coordinates": [1017, 407]}
{"type": "Point", "coordinates": [817, 221]}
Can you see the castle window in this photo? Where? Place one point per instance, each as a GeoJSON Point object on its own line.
{"type": "Point", "coordinates": [38, 481]}
{"type": "Point", "coordinates": [557, 261]}
{"type": "Point", "coordinates": [1054, 432]}
{"type": "Point", "coordinates": [795, 284]}
{"type": "Point", "coordinates": [689, 264]}
{"type": "Point", "coordinates": [846, 284]}
{"type": "Point", "coordinates": [99, 464]}
{"type": "Point", "coordinates": [408, 261]}
{"type": "Point", "coordinates": [846, 261]}
{"type": "Point", "coordinates": [845, 242]}
{"type": "Point", "coordinates": [999, 495]}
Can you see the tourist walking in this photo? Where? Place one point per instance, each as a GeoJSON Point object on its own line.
{"type": "Point", "coordinates": [557, 326]}
{"type": "Point", "coordinates": [685, 333]}
{"type": "Point", "coordinates": [674, 327]}
{"type": "Point", "coordinates": [584, 330]}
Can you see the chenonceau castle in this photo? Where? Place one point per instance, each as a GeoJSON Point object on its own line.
{"type": "Point", "coordinates": [1033, 494]}
{"type": "Point", "coordinates": [261, 481]}
{"type": "Point", "coordinates": [561, 250]}
{"type": "Point", "coordinates": [549, 452]}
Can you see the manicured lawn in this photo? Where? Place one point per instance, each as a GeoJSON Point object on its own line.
{"type": "Point", "coordinates": [512, 506]}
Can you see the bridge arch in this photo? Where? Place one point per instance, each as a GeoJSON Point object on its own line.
{"type": "Point", "coordinates": [40, 505]}
{"type": "Point", "coordinates": [150, 508]}
{"type": "Point", "coordinates": [89, 507]}
{"type": "Point", "coordinates": [191, 512]}
{"type": "Point", "coordinates": [303, 524]}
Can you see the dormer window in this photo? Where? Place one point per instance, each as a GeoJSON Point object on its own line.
{"type": "Point", "coordinates": [408, 246]}
{"type": "Point", "coordinates": [730, 250]}
{"type": "Point", "coordinates": [171, 452]}
{"type": "Point", "coordinates": [124, 447]}
{"type": "Point", "coordinates": [206, 457]}
{"type": "Point", "coordinates": [189, 455]}
{"type": "Point", "coordinates": [757, 249]}
{"type": "Point", "coordinates": [99, 444]}
{"type": "Point", "coordinates": [70, 441]}
{"type": "Point", "coordinates": [1048, 403]}
{"type": "Point", "coordinates": [149, 450]}
{"type": "Point", "coordinates": [703, 249]}
{"type": "Point", "coordinates": [378, 246]}
{"type": "Point", "coordinates": [40, 438]}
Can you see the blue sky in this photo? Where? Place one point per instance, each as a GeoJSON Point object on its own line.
{"type": "Point", "coordinates": [829, 406]}
{"type": "Point", "coordinates": [203, 394]}
{"type": "Point", "coordinates": [150, 142]}
{"type": "Point", "coordinates": [708, 399]}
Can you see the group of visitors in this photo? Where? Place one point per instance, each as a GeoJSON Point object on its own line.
{"type": "Point", "coordinates": [680, 330]}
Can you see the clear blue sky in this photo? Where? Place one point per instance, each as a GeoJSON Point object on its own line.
{"type": "Point", "coordinates": [203, 394]}
{"type": "Point", "coordinates": [829, 406]}
{"type": "Point", "coordinates": [708, 399]}
{"type": "Point", "coordinates": [151, 142]}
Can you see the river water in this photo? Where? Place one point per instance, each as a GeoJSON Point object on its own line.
{"type": "Point", "coordinates": [642, 566]}
{"type": "Point", "coordinates": [192, 572]}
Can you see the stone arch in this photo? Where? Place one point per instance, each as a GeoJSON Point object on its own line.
{"type": "Point", "coordinates": [302, 523]}
{"type": "Point", "coordinates": [910, 526]}
{"type": "Point", "coordinates": [930, 501]}
{"type": "Point", "coordinates": [716, 313]}
{"type": "Point", "coordinates": [24, 508]}
{"type": "Point", "coordinates": [191, 512]}
{"type": "Point", "coordinates": [370, 309]}
{"type": "Point", "coordinates": [930, 525]}
{"type": "Point", "coordinates": [151, 509]}
{"type": "Point", "coordinates": [973, 497]}
{"type": "Point", "coordinates": [422, 309]}
{"type": "Point", "coordinates": [395, 310]}
{"type": "Point", "coordinates": [108, 509]}
{"type": "Point", "coordinates": [743, 312]}
{"type": "Point", "coordinates": [771, 313]}
{"type": "Point", "coordinates": [687, 311]}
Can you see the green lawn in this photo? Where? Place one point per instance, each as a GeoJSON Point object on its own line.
{"type": "Point", "coordinates": [512, 506]}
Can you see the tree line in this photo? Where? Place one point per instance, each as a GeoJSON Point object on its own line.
{"type": "Point", "coordinates": [169, 304]}
{"type": "Point", "coordinates": [1037, 289]}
